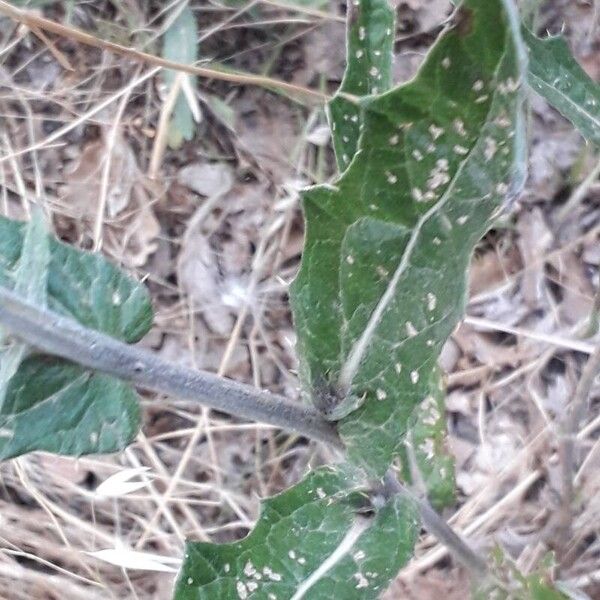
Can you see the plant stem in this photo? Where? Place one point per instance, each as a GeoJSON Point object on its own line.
{"type": "Point", "coordinates": [568, 436]}
{"type": "Point", "coordinates": [437, 527]}
{"type": "Point", "coordinates": [578, 194]}
{"type": "Point", "coordinates": [60, 336]}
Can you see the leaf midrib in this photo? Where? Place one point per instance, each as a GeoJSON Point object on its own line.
{"type": "Point", "coordinates": [351, 366]}
{"type": "Point", "coordinates": [578, 108]}
{"type": "Point", "coordinates": [339, 553]}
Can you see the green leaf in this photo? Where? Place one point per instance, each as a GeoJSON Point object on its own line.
{"type": "Point", "coordinates": [370, 41]}
{"type": "Point", "coordinates": [180, 44]}
{"type": "Point", "coordinates": [56, 406]}
{"type": "Point", "coordinates": [383, 277]}
{"type": "Point", "coordinates": [83, 286]}
{"type": "Point", "coordinates": [369, 44]}
{"type": "Point", "coordinates": [369, 57]}
{"type": "Point", "coordinates": [426, 460]}
{"type": "Point", "coordinates": [31, 274]}
{"type": "Point", "coordinates": [31, 282]}
{"type": "Point", "coordinates": [538, 589]}
{"type": "Point", "coordinates": [47, 403]}
{"type": "Point", "coordinates": [557, 77]}
{"type": "Point", "coordinates": [312, 541]}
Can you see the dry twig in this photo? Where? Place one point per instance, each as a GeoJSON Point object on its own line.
{"type": "Point", "coordinates": [568, 438]}
{"type": "Point", "coordinates": [35, 22]}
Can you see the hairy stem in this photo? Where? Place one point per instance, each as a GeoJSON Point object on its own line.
{"type": "Point", "coordinates": [61, 336]}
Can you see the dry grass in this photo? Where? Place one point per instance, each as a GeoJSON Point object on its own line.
{"type": "Point", "coordinates": [214, 229]}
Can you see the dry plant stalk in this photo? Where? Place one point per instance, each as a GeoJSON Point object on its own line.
{"type": "Point", "coordinates": [35, 22]}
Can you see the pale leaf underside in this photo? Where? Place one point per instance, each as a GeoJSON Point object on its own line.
{"type": "Point", "coordinates": [49, 404]}
{"type": "Point", "coordinates": [56, 406]}
{"type": "Point", "coordinates": [181, 45]}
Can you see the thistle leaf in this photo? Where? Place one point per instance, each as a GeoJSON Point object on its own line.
{"type": "Point", "coordinates": [383, 277]}
{"type": "Point", "coordinates": [81, 285]}
{"type": "Point", "coordinates": [56, 406]}
{"type": "Point", "coordinates": [312, 541]}
{"type": "Point", "coordinates": [47, 403]}
{"type": "Point", "coordinates": [369, 43]}
{"type": "Point", "coordinates": [557, 77]}
{"type": "Point", "coordinates": [370, 30]}
{"type": "Point", "coordinates": [425, 459]}
{"type": "Point", "coordinates": [31, 282]}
